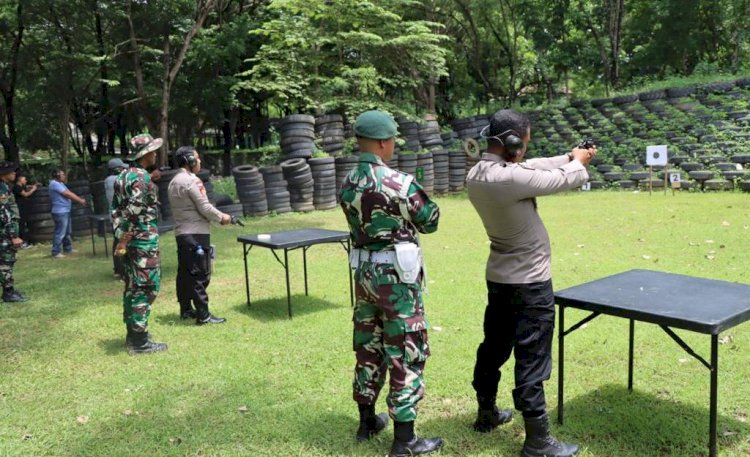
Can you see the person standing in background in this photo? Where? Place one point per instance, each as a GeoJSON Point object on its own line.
{"type": "Point", "coordinates": [61, 198]}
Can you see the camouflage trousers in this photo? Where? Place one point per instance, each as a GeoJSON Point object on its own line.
{"type": "Point", "coordinates": [142, 284]}
{"type": "Point", "coordinates": [7, 260]}
{"type": "Point", "coordinates": [390, 333]}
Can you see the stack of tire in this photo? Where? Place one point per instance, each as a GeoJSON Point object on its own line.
{"type": "Point", "coordinates": [163, 185]}
{"type": "Point", "coordinates": [79, 215]}
{"type": "Point", "coordinates": [407, 162]}
{"type": "Point", "coordinates": [297, 136]}
{"type": "Point", "coordinates": [301, 185]}
{"type": "Point", "coordinates": [426, 172]}
{"type": "Point", "coordinates": [409, 132]}
{"type": "Point", "coordinates": [465, 128]}
{"type": "Point", "coordinates": [393, 163]}
{"type": "Point", "coordinates": [456, 170]}
{"type": "Point", "coordinates": [344, 164]}
{"type": "Point", "coordinates": [441, 167]}
{"type": "Point", "coordinates": [99, 197]}
{"type": "Point", "coordinates": [251, 190]}
{"type": "Point", "coordinates": [330, 129]}
{"type": "Point", "coordinates": [35, 210]}
{"type": "Point", "coordinates": [277, 193]}
{"type": "Point", "coordinates": [429, 133]}
{"type": "Point", "coordinates": [324, 177]}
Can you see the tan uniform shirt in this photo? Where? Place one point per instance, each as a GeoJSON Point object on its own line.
{"type": "Point", "coordinates": [503, 193]}
{"type": "Point", "coordinates": [191, 209]}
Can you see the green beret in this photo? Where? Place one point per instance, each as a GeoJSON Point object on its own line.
{"type": "Point", "coordinates": [376, 125]}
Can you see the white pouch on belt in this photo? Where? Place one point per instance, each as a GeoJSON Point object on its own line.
{"type": "Point", "coordinates": [354, 258]}
{"type": "Point", "coordinates": [408, 262]}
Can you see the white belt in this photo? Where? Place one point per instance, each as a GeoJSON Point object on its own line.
{"type": "Point", "coordinates": [363, 255]}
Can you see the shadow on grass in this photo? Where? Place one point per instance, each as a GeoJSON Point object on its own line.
{"type": "Point", "coordinates": [273, 309]}
{"type": "Point", "coordinates": [112, 346]}
{"type": "Point", "coordinates": [611, 419]}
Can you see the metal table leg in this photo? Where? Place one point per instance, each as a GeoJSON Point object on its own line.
{"type": "Point", "coordinates": [104, 231]}
{"type": "Point", "coordinates": [561, 364]}
{"type": "Point", "coordinates": [91, 229]}
{"type": "Point", "coordinates": [630, 355]}
{"type": "Point", "coordinates": [245, 250]}
{"type": "Point", "coordinates": [304, 264]}
{"type": "Point", "coordinates": [712, 450]}
{"type": "Point", "coordinates": [288, 290]}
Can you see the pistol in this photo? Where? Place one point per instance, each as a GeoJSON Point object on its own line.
{"type": "Point", "coordinates": [586, 143]}
{"type": "Point", "coordinates": [237, 221]}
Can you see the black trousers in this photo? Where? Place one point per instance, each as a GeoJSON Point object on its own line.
{"type": "Point", "coordinates": [519, 318]}
{"type": "Point", "coordinates": [193, 273]}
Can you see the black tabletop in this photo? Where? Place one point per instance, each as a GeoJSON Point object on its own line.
{"type": "Point", "coordinates": [294, 238]}
{"type": "Point", "coordinates": [697, 304]}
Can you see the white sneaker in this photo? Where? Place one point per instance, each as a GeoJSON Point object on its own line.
{"type": "Point", "coordinates": [59, 256]}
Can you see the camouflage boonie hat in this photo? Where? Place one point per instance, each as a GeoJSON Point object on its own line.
{"type": "Point", "coordinates": [142, 144]}
{"type": "Point", "coordinates": [376, 125]}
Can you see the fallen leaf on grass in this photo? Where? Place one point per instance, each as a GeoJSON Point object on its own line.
{"type": "Point", "coordinates": [437, 329]}
{"type": "Point", "coordinates": [242, 409]}
{"type": "Point", "coordinates": [581, 246]}
{"type": "Point", "coordinates": [742, 417]}
{"type": "Point", "coordinates": [726, 339]}
{"type": "Point", "coordinates": [127, 412]}
{"type": "Point", "coordinates": [641, 240]}
{"type": "Point", "coordinates": [725, 223]}
{"type": "Point", "coordinates": [82, 419]}
{"type": "Point", "coordinates": [175, 441]}
{"type": "Point", "coordinates": [709, 241]}
{"type": "Point", "coordinates": [692, 244]}
{"type": "Point", "coordinates": [728, 433]}
{"type": "Point", "coordinates": [646, 257]}
{"type": "Point", "coordinates": [710, 257]}
{"type": "Point", "coordinates": [684, 360]}
{"type": "Point", "coordinates": [27, 436]}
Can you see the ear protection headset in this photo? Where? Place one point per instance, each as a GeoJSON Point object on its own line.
{"type": "Point", "coordinates": [186, 158]}
{"type": "Point", "coordinates": [513, 142]}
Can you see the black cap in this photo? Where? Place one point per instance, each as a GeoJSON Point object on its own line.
{"type": "Point", "coordinates": [7, 166]}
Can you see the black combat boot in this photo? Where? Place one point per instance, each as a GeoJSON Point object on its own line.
{"type": "Point", "coordinates": [539, 443]}
{"type": "Point", "coordinates": [210, 319]}
{"type": "Point", "coordinates": [370, 424]}
{"type": "Point", "coordinates": [139, 343]}
{"type": "Point", "coordinates": [489, 417]}
{"type": "Point", "coordinates": [407, 444]}
{"type": "Point", "coordinates": [11, 295]}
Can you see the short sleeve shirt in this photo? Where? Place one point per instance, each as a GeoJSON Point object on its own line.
{"type": "Point", "coordinates": [60, 204]}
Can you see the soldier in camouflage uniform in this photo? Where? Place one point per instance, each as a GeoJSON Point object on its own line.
{"type": "Point", "coordinates": [9, 239]}
{"type": "Point", "coordinates": [385, 208]}
{"type": "Point", "coordinates": [134, 217]}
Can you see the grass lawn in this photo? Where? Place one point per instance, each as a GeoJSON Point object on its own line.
{"type": "Point", "coordinates": [264, 385]}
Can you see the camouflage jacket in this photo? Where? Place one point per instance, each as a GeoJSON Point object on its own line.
{"type": "Point", "coordinates": [134, 207]}
{"type": "Point", "coordinates": [372, 202]}
{"type": "Point", "coordinates": [8, 213]}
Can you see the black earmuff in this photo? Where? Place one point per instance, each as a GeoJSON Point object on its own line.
{"type": "Point", "coordinates": [513, 145]}
{"type": "Point", "coordinates": [186, 159]}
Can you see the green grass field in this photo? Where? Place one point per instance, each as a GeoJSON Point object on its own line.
{"type": "Point", "coordinates": [265, 385]}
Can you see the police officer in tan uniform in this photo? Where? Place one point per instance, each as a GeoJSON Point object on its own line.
{"type": "Point", "coordinates": [193, 214]}
{"type": "Point", "coordinates": [520, 314]}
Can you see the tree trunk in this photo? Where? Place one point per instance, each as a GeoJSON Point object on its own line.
{"type": "Point", "coordinates": [226, 131]}
{"type": "Point", "coordinates": [65, 136]}
{"type": "Point", "coordinates": [617, 11]}
{"type": "Point", "coordinates": [8, 88]}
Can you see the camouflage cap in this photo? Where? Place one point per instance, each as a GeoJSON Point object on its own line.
{"type": "Point", "coordinates": [376, 125]}
{"type": "Point", "coordinates": [7, 166]}
{"type": "Point", "coordinates": [142, 144]}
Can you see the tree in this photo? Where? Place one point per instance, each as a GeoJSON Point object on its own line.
{"type": "Point", "coordinates": [11, 37]}
{"type": "Point", "coordinates": [167, 24]}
